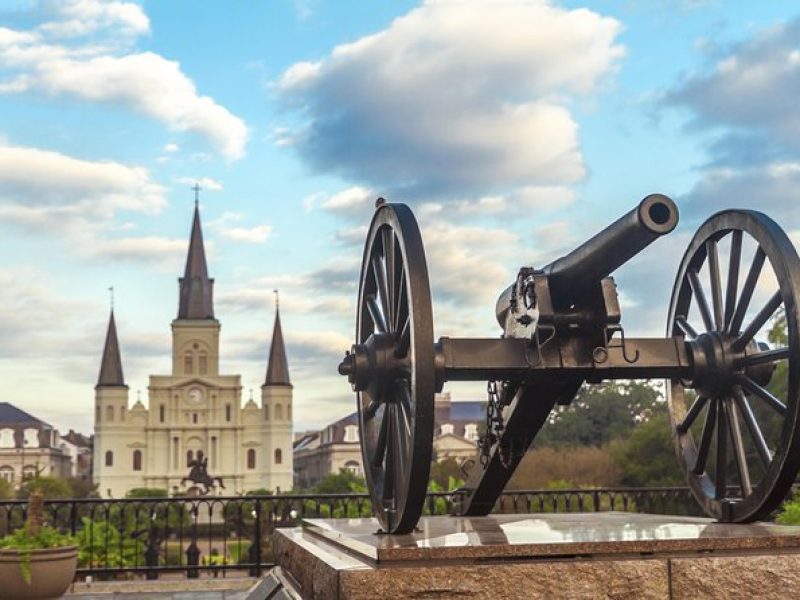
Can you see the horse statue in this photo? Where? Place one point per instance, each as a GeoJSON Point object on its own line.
{"type": "Point", "coordinates": [198, 474]}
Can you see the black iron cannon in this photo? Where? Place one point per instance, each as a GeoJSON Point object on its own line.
{"type": "Point", "coordinates": [733, 398]}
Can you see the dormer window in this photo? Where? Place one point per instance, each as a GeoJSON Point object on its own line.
{"type": "Point", "coordinates": [31, 438]}
{"type": "Point", "coordinates": [447, 429]}
{"type": "Point", "coordinates": [351, 434]}
{"type": "Point", "coordinates": [471, 432]}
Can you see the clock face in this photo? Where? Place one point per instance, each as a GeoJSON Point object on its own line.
{"type": "Point", "coordinates": [195, 396]}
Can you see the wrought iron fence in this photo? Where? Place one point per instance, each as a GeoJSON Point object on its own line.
{"type": "Point", "coordinates": [212, 535]}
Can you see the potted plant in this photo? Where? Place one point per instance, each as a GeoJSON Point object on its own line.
{"type": "Point", "coordinates": [36, 561]}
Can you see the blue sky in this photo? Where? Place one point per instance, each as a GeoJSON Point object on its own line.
{"type": "Point", "coordinates": [514, 129]}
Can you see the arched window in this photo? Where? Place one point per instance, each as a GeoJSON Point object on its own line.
{"type": "Point", "coordinates": [7, 473]}
{"type": "Point", "coordinates": [266, 412]}
{"type": "Point", "coordinates": [161, 411]}
{"type": "Point", "coordinates": [353, 466]}
{"type": "Point", "coordinates": [110, 414]}
{"type": "Point", "coordinates": [278, 456]}
{"type": "Point", "coordinates": [189, 457]}
{"type": "Point", "coordinates": [122, 414]}
{"type": "Point", "coordinates": [203, 360]}
{"type": "Point", "coordinates": [187, 363]}
{"type": "Point", "coordinates": [227, 412]}
{"type": "Point", "coordinates": [278, 412]}
{"type": "Point", "coordinates": [137, 460]}
{"type": "Point", "coordinates": [194, 418]}
{"type": "Point", "coordinates": [97, 412]}
{"type": "Point", "coordinates": [109, 458]}
{"type": "Point", "coordinates": [289, 412]}
{"type": "Point", "coordinates": [251, 458]}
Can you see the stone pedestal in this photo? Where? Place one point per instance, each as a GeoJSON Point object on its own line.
{"type": "Point", "coordinates": [579, 555]}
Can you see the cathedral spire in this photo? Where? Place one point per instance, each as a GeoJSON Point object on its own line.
{"type": "Point", "coordinates": [111, 365]}
{"type": "Point", "coordinates": [196, 288]}
{"type": "Point", "coordinates": [277, 366]}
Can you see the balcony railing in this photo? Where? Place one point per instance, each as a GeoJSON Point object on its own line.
{"type": "Point", "coordinates": [212, 535]}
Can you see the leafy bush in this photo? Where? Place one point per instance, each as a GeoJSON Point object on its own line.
{"type": "Point", "coordinates": [25, 541]}
{"type": "Point", "coordinates": [790, 512]}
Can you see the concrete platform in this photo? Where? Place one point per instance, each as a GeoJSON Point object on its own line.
{"type": "Point", "coordinates": [579, 555]}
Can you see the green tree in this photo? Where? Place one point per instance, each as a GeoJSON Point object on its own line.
{"type": "Point", "coordinates": [600, 413]}
{"type": "Point", "coordinates": [82, 488]}
{"type": "Point", "coordinates": [6, 490]}
{"type": "Point", "coordinates": [51, 487]}
{"type": "Point", "coordinates": [343, 482]}
{"type": "Point", "coordinates": [147, 493]}
{"type": "Point", "coordinates": [647, 456]}
{"type": "Point", "coordinates": [447, 474]}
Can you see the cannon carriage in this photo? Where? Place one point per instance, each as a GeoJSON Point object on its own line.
{"type": "Point", "coordinates": [737, 438]}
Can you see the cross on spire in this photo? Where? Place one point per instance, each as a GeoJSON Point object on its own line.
{"type": "Point", "coordinates": [196, 189]}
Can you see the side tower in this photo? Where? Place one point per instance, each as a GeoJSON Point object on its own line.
{"type": "Point", "coordinates": [276, 406]}
{"type": "Point", "coordinates": [116, 439]}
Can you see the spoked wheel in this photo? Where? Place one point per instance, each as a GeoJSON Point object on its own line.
{"type": "Point", "coordinates": [391, 367]}
{"type": "Point", "coordinates": [736, 422]}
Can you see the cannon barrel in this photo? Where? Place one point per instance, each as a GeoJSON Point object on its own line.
{"type": "Point", "coordinates": [598, 257]}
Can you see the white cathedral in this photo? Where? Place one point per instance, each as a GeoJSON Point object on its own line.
{"type": "Point", "coordinates": [194, 410]}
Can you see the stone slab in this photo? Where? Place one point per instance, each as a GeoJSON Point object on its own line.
{"type": "Point", "coordinates": [596, 555]}
{"type": "Point", "coordinates": [550, 534]}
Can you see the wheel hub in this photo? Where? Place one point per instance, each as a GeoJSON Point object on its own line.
{"type": "Point", "coordinates": [717, 363]}
{"type": "Point", "coordinates": [373, 364]}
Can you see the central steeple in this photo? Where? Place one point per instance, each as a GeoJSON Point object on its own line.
{"type": "Point", "coordinates": [196, 288]}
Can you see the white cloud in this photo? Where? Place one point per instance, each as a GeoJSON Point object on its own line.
{"type": "Point", "coordinates": [356, 200]}
{"type": "Point", "coordinates": [251, 235]}
{"type": "Point", "coordinates": [454, 97]}
{"type": "Point", "coordinates": [144, 82]}
{"type": "Point", "coordinates": [167, 252]}
{"type": "Point", "coordinates": [171, 147]}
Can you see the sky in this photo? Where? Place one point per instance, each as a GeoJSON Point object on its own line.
{"type": "Point", "coordinates": [514, 129]}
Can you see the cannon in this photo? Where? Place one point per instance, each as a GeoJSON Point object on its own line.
{"type": "Point", "coordinates": [730, 359]}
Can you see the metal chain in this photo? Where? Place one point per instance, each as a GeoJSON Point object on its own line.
{"type": "Point", "coordinates": [494, 423]}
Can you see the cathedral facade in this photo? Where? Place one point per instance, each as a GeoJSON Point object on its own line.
{"type": "Point", "coordinates": [194, 413]}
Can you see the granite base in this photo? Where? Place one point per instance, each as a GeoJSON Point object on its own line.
{"type": "Point", "coordinates": [579, 555]}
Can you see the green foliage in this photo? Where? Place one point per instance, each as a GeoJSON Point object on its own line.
{"type": "Point", "coordinates": [447, 474]}
{"type": "Point", "coordinates": [147, 493]}
{"type": "Point", "coordinates": [25, 542]}
{"type": "Point", "coordinates": [6, 490]}
{"type": "Point", "coordinates": [101, 545]}
{"type": "Point", "coordinates": [647, 456]}
{"type": "Point", "coordinates": [51, 487]}
{"type": "Point", "coordinates": [790, 512]}
{"type": "Point", "coordinates": [583, 466]}
{"type": "Point", "coordinates": [601, 413]}
{"type": "Point", "coordinates": [82, 488]}
{"type": "Point", "coordinates": [343, 482]}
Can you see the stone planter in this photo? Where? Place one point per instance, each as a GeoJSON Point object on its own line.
{"type": "Point", "coordinates": [52, 570]}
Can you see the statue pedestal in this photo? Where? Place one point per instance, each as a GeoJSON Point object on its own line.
{"type": "Point", "coordinates": [578, 555]}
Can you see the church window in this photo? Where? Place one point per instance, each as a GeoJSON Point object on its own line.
{"type": "Point", "coordinates": [278, 456]}
{"type": "Point", "coordinates": [189, 457]}
{"type": "Point", "coordinates": [97, 412]}
{"type": "Point", "coordinates": [137, 460]}
{"type": "Point", "coordinates": [109, 458]}
{"type": "Point", "coordinates": [203, 364]}
{"type": "Point", "coordinates": [187, 363]}
{"type": "Point", "coordinates": [161, 411]}
{"type": "Point", "coordinates": [122, 413]}
{"type": "Point", "coordinates": [110, 414]}
{"type": "Point", "coordinates": [227, 412]}
{"type": "Point", "coordinates": [213, 451]}
{"type": "Point", "coordinates": [351, 433]}
{"type": "Point", "coordinates": [278, 412]}
{"type": "Point", "coordinates": [447, 428]}
{"type": "Point", "coordinates": [266, 412]}
{"type": "Point", "coordinates": [7, 438]}
{"type": "Point", "coordinates": [251, 459]}
{"type": "Point", "coordinates": [194, 418]}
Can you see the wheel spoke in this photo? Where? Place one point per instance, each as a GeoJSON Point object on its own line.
{"type": "Point", "coordinates": [702, 303]}
{"type": "Point", "coordinates": [733, 276]}
{"type": "Point", "coordinates": [738, 448]}
{"type": "Point", "coordinates": [767, 356]}
{"type": "Point", "coordinates": [705, 438]}
{"type": "Point", "coordinates": [375, 312]}
{"type": "Point", "coordinates": [758, 321]}
{"type": "Point", "coordinates": [380, 444]}
{"type": "Point", "coordinates": [720, 473]}
{"type": "Point", "coordinates": [747, 291]}
{"type": "Point", "coordinates": [401, 448]}
{"type": "Point", "coordinates": [404, 342]}
{"type": "Point", "coordinates": [405, 409]}
{"type": "Point", "coordinates": [391, 276]}
{"type": "Point", "coordinates": [692, 414]}
{"type": "Point", "coordinates": [752, 387]}
{"type": "Point", "coordinates": [401, 312]}
{"type": "Point", "coordinates": [716, 283]}
{"type": "Point", "coordinates": [684, 326]}
{"type": "Point", "coordinates": [389, 491]}
{"type": "Point", "coordinates": [383, 290]}
{"type": "Point", "coordinates": [755, 431]}
{"type": "Point", "coordinates": [371, 409]}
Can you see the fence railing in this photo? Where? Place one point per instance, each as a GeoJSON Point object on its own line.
{"type": "Point", "coordinates": [212, 535]}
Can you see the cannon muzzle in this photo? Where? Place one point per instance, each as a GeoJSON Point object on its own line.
{"type": "Point", "coordinates": [571, 275]}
